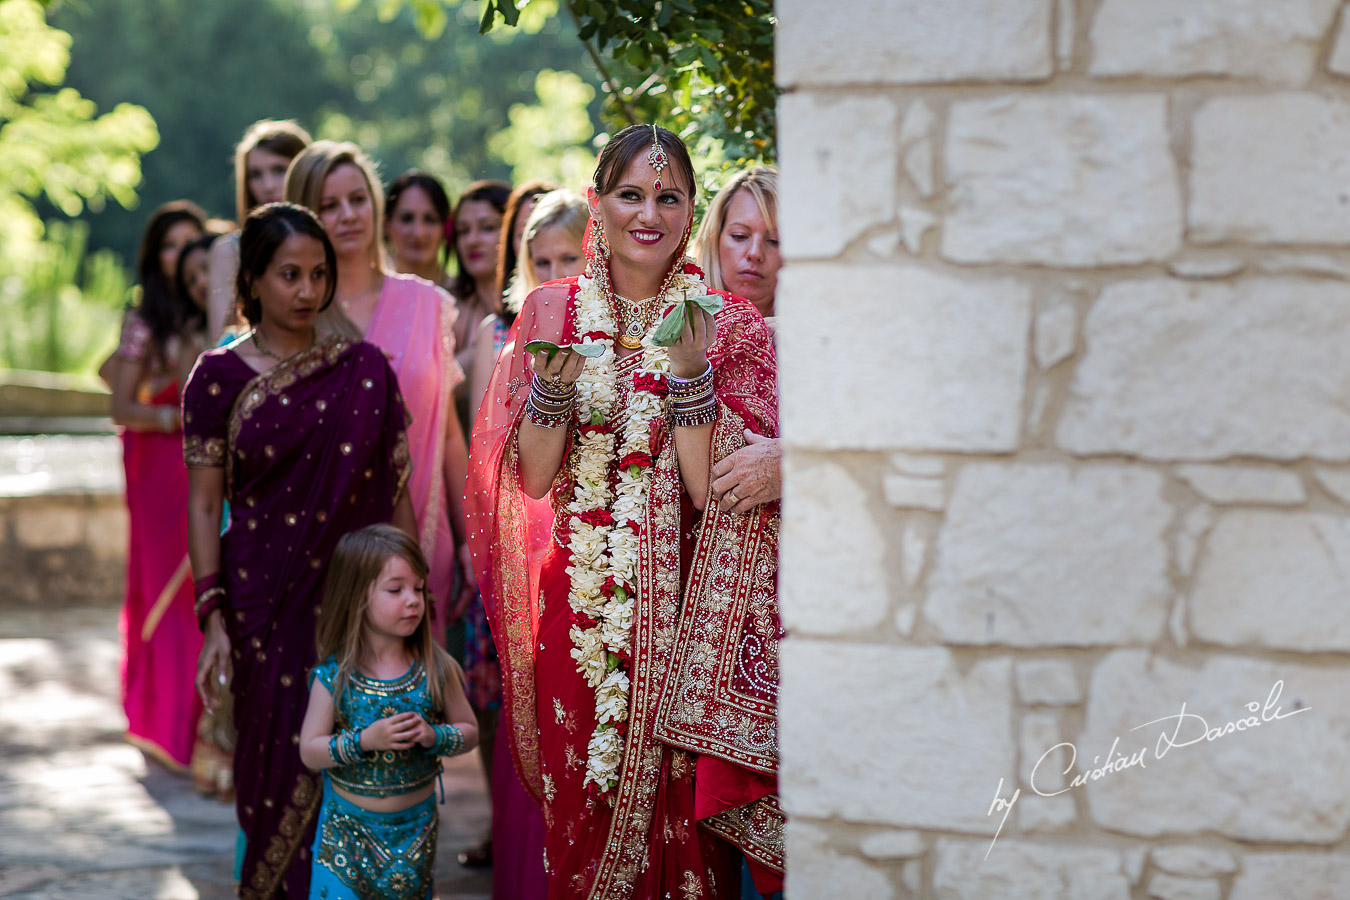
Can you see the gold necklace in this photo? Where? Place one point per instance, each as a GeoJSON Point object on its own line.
{"type": "Point", "coordinates": [638, 318]}
{"type": "Point", "coordinates": [268, 351]}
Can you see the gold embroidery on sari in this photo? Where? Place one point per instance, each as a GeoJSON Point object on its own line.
{"type": "Point", "coordinates": [282, 846]}
{"type": "Point", "coordinates": [209, 452]}
{"type": "Point", "coordinates": [756, 829]}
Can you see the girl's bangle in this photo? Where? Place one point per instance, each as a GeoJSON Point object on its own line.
{"type": "Point", "coordinates": [449, 741]}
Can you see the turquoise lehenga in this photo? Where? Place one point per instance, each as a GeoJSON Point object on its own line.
{"type": "Point", "coordinates": [364, 855]}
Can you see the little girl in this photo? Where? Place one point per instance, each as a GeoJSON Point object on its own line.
{"type": "Point", "coordinates": [385, 704]}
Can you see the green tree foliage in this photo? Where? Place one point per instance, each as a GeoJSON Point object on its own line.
{"type": "Point", "coordinates": [53, 144]}
{"type": "Point", "coordinates": [367, 72]}
{"type": "Point", "coordinates": [703, 66]}
{"type": "Point", "coordinates": [60, 307]}
{"type": "Point", "coordinates": [550, 139]}
{"type": "Point", "coordinates": [62, 310]}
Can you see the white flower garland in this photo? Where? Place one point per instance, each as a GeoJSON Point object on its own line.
{"type": "Point", "coordinates": [605, 554]}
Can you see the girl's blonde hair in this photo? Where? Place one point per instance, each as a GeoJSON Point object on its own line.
{"type": "Point", "coordinates": [283, 137]}
{"type": "Point", "coordinates": [305, 177]}
{"type": "Point", "coordinates": [357, 561]}
{"type": "Point", "coordinates": [762, 183]}
{"type": "Point", "coordinates": [556, 209]}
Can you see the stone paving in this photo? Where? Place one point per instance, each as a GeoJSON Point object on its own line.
{"type": "Point", "coordinates": [85, 815]}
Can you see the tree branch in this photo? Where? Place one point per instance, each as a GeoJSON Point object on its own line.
{"type": "Point", "coordinates": [615, 89]}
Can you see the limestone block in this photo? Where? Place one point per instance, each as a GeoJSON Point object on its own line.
{"type": "Point", "coordinates": [892, 357]}
{"type": "Point", "coordinates": [911, 874]}
{"type": "Point", "coordinates": [1205, 265]}
{"type": "Point", "coordinates": [1040, 732]}
{"type": "Point", "coordinates": [925, 465]}
{"type": "Point", "coordinates": [1020, 870]}
{"type": "Point", "coordinates": [1267, 168]}
{"type": "Point", "coordinates": [1171, 887]}
{"type": "Point", "coordinates": [1244, 484]}
{"type": "Point", "coordinates": [1045, 813]}
{"type": "Point", "coordinates": [1276, 42]}
{"type": "Point", "coordinates": [1340, 53]}
{"type": "Point", "coordinates": [1281, 781]}
{"type": "Point", "coordinates": [1274, 579]}
{"type": "Point", "coordinates": [48, 527]}
{"type": "Point", "coordinates": [909, 492]}
{"type": "Point", "coordinates": [1195, 523]}
{"type": "Point", "coordinates": [1323, 265]}
{"type": "Point", "coordinates": [1307, 876]}
{"type": "Point", "coordinates": [912, 41]}
{"type": "Point", "coordinates": [840, 584]}
{"type": "Point", "coordinates": [1056, 325]}
{"type": "Point", "coordinates": [1038, 555]}
{"type": "Point", "coordinates": [1064, 39]}
{"type": "Point", "coordinates": [819, 871]}
{"type": "Point", "coordinates": [905, 616]}
{"type": "Point", "coordinates": [892, 845]}
{"type": "Point", "coordinates": [885, 242]}
{"type": "Point", "coordinates": [1196, 862]}
{"type": "Point", "coordinates": [914, 543]}
{"type": "Point", "coordinates": [1064, 180]}
{"type": "Point", "coordinates": [948, 727]}
{"type": "Point", "coordinates": [1047, 682]}
{"type": "Point", "coordinates": [915, 222]}
{"type": "Point", "coordinates": [1201, 371]}
{"type": "Point", "coordinates": [844, 162]}
{"type": "Point", "coordinates": [1336, 482]}
{"type": "Point", "coordinates": [918, 163]}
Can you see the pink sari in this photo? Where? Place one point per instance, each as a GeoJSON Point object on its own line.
{"type": "Point", "coordinates": [160, 640]}
{"type": "Point", "coordinates": [414, 325]}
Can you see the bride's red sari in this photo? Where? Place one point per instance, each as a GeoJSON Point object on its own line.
{"type": "Point", "coordinates": [700, 750]}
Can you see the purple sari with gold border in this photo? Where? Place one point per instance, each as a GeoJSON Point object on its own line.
{"type": "Point", "coordinates": [312, 449]}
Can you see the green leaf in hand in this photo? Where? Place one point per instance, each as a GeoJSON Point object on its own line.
{"type": "Point", "coordinates": [671, 327]}
{"type": "Point", "coordinates": [588, 350]}
{"type": "Point", "coordinates": [536, 346]}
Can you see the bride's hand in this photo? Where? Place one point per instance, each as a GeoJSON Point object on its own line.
{"type": "Point", "coordinates": [689, 355]}
{"type": "Point", "coordinates": [563, 368]}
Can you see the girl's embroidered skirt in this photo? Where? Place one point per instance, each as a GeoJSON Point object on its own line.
{"type": "Point", "coordinates": [364, 855]}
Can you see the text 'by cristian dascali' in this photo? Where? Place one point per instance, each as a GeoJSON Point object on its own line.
{"type": "Point", "coordinates": [1181, 730]}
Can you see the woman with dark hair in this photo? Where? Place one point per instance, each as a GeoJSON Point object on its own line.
{"type": "Point", "coordinates": [478, 228]}
{"type": "Point", "coordinates": [417, 216]}
{"type": "Point", "coordinates": [159, 339]}
{"type": "Point", "coordinates": [260, 161]}
{"type": "Point", "coordinates": [304, 437]}
{"type": "Point", "coordinates": [635, 619]}
{"type": "Point", "coordinates": [413, 322]}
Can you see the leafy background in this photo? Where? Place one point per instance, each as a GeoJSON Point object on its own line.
{"type": "Point", "coordinates": [111, 107]}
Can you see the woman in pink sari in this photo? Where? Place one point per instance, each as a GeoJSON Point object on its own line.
{"type": "Point", "coordinates": [636, 620]}
{"type": "Point", "coordinates": [160, 642]}
{"type": "Point", "coordinates": [413, 322]}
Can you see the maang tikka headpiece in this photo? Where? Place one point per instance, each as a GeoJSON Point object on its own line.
{"type": "Point", "coordinates": [656, 157]}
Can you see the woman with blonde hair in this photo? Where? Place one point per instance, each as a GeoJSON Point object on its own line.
{"type": "Point", "coordinates": [260, 161]}
{"type": "Point", "coordinates": [413, 322]}
{"type": "Point", "coordinates": [737, 243]}
{"type": "Point", "coordinates": [737, 246]}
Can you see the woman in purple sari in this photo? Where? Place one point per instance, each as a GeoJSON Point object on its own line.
{"type": "Point", "coordinates": [305, 438]}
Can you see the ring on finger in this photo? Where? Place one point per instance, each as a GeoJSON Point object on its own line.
{"type": "Point", "coordinates": [731, 499]}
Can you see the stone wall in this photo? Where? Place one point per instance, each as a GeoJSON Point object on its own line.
{"type": "Point", "coordinates": [1065, 347]}
{"type": "Point", "coordinates": [63, 521]}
